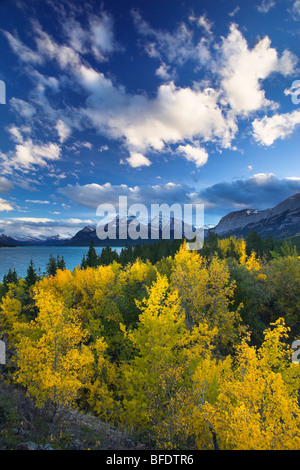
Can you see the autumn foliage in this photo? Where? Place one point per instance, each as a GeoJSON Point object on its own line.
{"type": "Point", "coordinates": [192, 351]}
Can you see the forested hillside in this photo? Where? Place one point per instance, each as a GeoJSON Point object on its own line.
{"type": "Point", "coordinates": [179, 349]}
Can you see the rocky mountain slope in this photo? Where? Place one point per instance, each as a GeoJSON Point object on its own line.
{"type": "Point", "coordinates": [281, 221]}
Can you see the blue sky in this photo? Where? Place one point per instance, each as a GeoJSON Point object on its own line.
{"type": "Point", "coordinates": [185, 101]}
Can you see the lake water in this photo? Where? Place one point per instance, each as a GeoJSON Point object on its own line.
{"type": "Point", "coordinates": [18, 258]}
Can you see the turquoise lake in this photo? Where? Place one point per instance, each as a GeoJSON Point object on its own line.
{"type": "Point", "coordinates": [18, 258]}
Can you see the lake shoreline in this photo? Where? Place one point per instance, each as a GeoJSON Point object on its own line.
{"type": "Point", "coordinates": [19, 257]}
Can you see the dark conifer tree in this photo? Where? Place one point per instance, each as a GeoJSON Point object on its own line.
{"type": "Point", "coordinates": [31, 276]}
{"type": "Point", "coordinates": [92, 258]}
{"type": "Point", "coordinates": [51, 267]}
{"type": "Point", "coordinates": [61, 263]}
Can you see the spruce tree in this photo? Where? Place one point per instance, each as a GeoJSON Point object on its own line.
{"type": "Point", "coordinates": [61, 263]}
{"type": "Point", "coordinates": [51, 267]}
{"type": "Point", "coordinates": [31, 276]}
{"type": "Point", "coordinates": [92, 258]}
{"type": "Point", "coordinates": [10, 278]}
{"type": "Point", "coordinates": [83, 264]}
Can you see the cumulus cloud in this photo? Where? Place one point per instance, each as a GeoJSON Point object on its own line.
{"type": "Point", "coordinates": [195, 154]}
{"type": "Point", "coordinates": [278, 126]}
{"type": "Point", "coordinates": [175, 114]}
{"type": "Point", "coordinates": [244, 69]}
{"type": "Point", "coordinates": [5, 206]}
{"type": "Point", "coordinates": [137, 160]}
{"type": "Point", "coordinates": [91, 195]}
{"type": "Point", "coordinates": [260, 191]}
{"type": "Point", "coordinates": [27, 154]}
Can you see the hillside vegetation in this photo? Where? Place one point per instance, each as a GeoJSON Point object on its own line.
{"type": "Point", "coordinates": [177, 349]}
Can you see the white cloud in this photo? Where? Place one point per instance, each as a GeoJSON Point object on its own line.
{"type": "Point", "coordinates": [5, 206]}
{"type": "Point", "coordinates": [142, 123]}
{"type": "Point", "coordinates": [47, 47]}
{"type": "Point", "coordinates": [97, 37]}
{"type": "Point", "coordinates": [91, 195]}
{"type": "Point", "coordinates": [24, 53]}
{"type": "Point", "coordinates": [137, 160]}
{"type": "Point", "coordinates": [287, 63]}
{"type": "Point", "coordinates": [262, 178]}
{"type": "Point", "coordinates": [175, 114]}
{"type": "Point", "coordinates": [279, 126]}
{"type": "Point", "coordinates": [244, 69]}
{"type": "Point", "coordinates": [205, 23]}
{"type": "Point", "coordinates": [31, 220]}
{"type": "Point", "coordinates": [296, 8]}
{"type": "Point", "coordinates": [102, 37]}
{"type": "Point", "coordinates": [234, 11]}
{"type": "Point", "coordinates": [63, 130]}
{"type": "Point", "coordinates": [195, 154]}
{"type": "Point", "coordinates": [266, 6]}
{"type": "Point", "coordinates": [177, 46]}
{"type": "Point", "coordinates": [163, 72]}
{"type": "Point", "coordinates": [22, 107]}
{"type": "Point", "coordinates": [27, 154]}
{"type": "Point", "coordinates": [37, 201]}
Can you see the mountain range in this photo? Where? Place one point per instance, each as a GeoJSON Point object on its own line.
{"type": "Point", "coordinates": [281, 221]}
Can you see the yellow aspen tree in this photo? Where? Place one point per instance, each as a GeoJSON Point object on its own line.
{"type": "Point", "coordinates": [53, 361]}
{"type": "Point", "coordinates": [94, 293]}
{"type": "Point", "coordinates": [154, 376]}
{"type": "Point", "coordinates": [206, 292]}
{"type": "Point", "coordinates": [256, 407]}
{"type": "Point", "coordinates": [103, 384]}
{"type": "Point", "coordinates": [156, 382]}
{"type": "Point", "coordinates": [190, 277]}
{"type": "Point", "coordinates": [206, 384]}
{"type": "Point", "coordinates": [133, 280]}
{"type": "Point", "coordinates": [252, 263]}
{"type": "Point", "coordinates": [242, 251]}
{"type": "Point", "coordinates": [219, 298]}
{"type": "Point", "coordinates": [10, 316]}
